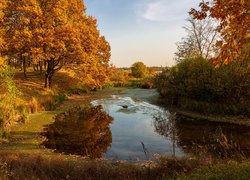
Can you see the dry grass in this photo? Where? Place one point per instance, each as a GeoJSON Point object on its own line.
{"type": "Point", "coordinates": [38, 167]}
{"type": "Point", "coordinates": [18, 166]}
{"type": "Point", "coordinates": [34, 97]}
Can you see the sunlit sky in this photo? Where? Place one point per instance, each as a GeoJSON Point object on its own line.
{"type": "Point", "coordinates": [141, 30]}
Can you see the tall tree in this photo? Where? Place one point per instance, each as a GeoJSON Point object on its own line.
{"type": "Point", "coordinates": [234, 23]}
{"type": "Point", "coordinates": [72, 40]}
{"type": "Point", "coordinates": [200, 40]}
{"type": "Point", "coordinates": [60, 42]}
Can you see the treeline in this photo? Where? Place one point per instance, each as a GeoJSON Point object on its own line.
{"type": "Point", "coordinates": [49, 35]}
{"type": "Point", "coordinates": [212, 71]}
{"type": "Point", "coordinates": [138, 75]}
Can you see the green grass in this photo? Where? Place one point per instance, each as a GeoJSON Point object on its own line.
{"type": "Point", "coordinates": [232, 170]}
{"type": "Point", "coordinates": [25, 138]}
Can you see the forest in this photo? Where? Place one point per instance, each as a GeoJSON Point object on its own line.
{"type": "Point", "coordinates": [67, 112]}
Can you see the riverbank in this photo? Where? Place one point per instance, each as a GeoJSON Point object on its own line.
{"type": "Point", "coordinates": [23, 156]}
{"type": "Point", "coordinates": [194, 116]}
{"type": "Point", "coordinates": [200, 116]}
{"type": "Point", "coordinates": [25, 137]}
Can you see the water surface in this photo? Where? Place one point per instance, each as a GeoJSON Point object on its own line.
{"type": "Point", "coordinates": [136, 129]}
{"type": "Point", "coordinates": [133, 130]}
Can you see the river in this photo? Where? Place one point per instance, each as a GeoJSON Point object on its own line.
{"type": "Point", "coordinates": [141, 130]}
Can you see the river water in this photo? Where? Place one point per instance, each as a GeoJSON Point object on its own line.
{"type": "Point", "coordinates": [140, 130]}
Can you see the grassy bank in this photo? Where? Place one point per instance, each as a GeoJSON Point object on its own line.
{"type": "Point", "coordinates": [230, 170]}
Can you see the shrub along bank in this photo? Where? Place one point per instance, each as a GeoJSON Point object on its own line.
{"type": "Point", "coordinates": [197, 85]}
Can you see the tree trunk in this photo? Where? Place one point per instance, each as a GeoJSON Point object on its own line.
{"type": "Point", "coordinates": [45, 65]}
{"type": "Point", "coordinates": [49, 73]}
{"type": "Point", "coordinates": [46, 80]}
{"type": "Point", "coordinates": [50, 81]}
{"type": "Point", "coordinates": [41, 67]}
{"type": "Point", "coordinates": [24, 66]}
{"type": "Point", "coordinates": [21, 63]}
{"type": "Point", "coordinates": [52, 67]}
{"type": "Point", "coordinates": [34, 67]}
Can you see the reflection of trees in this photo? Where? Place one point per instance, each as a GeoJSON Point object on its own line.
{"type": "Point", "coordinates": [215, 139]}
{"type": "Point", "coordinates": [165, 126]}
{"type": "Point", "coordinates": [81, 131]}
{"type": "Point", "coordinates": [204, 138]}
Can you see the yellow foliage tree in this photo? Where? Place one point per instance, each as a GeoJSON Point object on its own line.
{"type": "Point", "coordinates": [22, 25]}
{"type": "Point", "coordinates": [95, 70]}
{"type": "Point", "coordinates": [57, 33]}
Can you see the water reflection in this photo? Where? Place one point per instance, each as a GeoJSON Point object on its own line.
{"type": "Point", "coordinates": [80, 131]}
{"type": "Point", "coordinates": [141, 130]}
{"type": "Point", "coordinates": [219, 140]}
{"type": "Point", "coordinates": [166, 126]}
{"type": "Point", "coordinates": [134, 135]}
{"type": "Point", "coordinates": [203, 138]}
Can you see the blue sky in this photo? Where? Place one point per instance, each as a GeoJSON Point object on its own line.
{"type": "Point", "coordinates": [141, 30]}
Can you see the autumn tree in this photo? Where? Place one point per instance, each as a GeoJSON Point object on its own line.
{"type": "Point", "coordinates": [200, 40]}
{"type": "Point", "coordinates": [8, 90]}
{"type": "Point", "coordinates": [60, 45]}
{"type": "Point", "coordinates": [95, 70]}
{"type": "Point", "coordinates": [76, 43]}
{"type": "Point", "coordinates": [139, 70]}
{"type": "Point", "coordinates": [57, 33]}
{"type": "Point", "coordinates": [119, 76]}
{"type": "Point", "coordinates": [21, 24]}
{"type": "Point", "coordinates": [154, 70]}
{"type": "Point", "coordinates": [234, 23]}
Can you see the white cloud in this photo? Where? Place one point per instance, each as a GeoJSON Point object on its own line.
{"type": "Point", "coordinates": [164, 10]}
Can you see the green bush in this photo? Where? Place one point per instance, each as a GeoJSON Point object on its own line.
{"type": "Point", "coordinates": [78, 90]}
{"type": "Point", "coordinates": [196, 84]}
{"type": "Point", "coordinates": [136, 83]}
{"type": "Point", "coordinates": [57, 100]}
{"type": "Point", "coordinates": [60, 98]}
{"type": "Point", "coordinates": [108, 86]}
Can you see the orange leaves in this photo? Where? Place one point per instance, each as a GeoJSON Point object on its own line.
{"type": "Point", "coordinates": [20, 22]}
{"type": "Point", "coordinates": [234, 19]}
{"type": "Point", "coordinates": [57, 32]}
